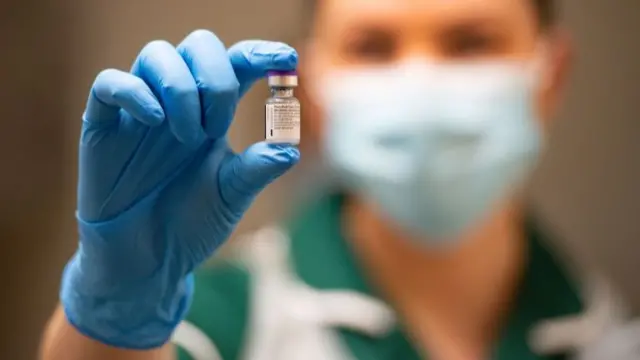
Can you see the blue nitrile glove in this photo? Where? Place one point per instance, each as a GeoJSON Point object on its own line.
{"type": "Point", "coordinates": [159, 188]}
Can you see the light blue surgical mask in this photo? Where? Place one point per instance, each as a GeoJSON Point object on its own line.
{"type": "Point", "coordinates": [435, 146]}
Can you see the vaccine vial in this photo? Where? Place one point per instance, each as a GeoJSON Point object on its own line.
{"type": "Point", "coordinates": [282, 109]}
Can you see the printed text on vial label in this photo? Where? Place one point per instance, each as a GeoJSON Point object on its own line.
{"type": "Point", "coordinates": [283, 120]}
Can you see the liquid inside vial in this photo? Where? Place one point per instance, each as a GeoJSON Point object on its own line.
{"type": "Point", "coordinates": [282, 109]}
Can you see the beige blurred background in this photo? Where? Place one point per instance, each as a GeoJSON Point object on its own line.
{"type": "Point", "coordinates": [52, 49]}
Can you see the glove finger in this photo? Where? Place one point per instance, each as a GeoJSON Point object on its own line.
{"type": "Point", "coordinates": [207, 59]}
{"type": "Point", "coordinates": [251, 59]}
{"type": "Point", "coordinates": [114, 90]}
{"type": "Point", "coordinates": [242, 178]}
{"type": "Point", "coordinates": [162, 68]}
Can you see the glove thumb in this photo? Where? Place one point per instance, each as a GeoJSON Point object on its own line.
{"type": "Point", "coordinates": [242, 178]}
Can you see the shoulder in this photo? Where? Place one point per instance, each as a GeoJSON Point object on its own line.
{"type": "Point", "coordinates": [215, 325]}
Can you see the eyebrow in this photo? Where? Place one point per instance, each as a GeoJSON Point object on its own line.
{"type": "Point", "coordinates": [471, 26]}
{"type": "Point", "coordinates": [476, 20]}
{"type": "Point", "coordinates": [369, 29]}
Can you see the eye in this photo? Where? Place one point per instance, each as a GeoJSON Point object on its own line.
{"type": "Point", "coordinates": [370, 46]}
{"type": "Point", "coordinates": [471, 42]}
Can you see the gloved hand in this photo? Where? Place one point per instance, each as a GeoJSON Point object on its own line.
{"type": "Point", "coordinates": [159, 188]}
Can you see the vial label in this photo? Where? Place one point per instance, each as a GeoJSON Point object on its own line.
{"type": "Point", "coordinates": [283, 122]}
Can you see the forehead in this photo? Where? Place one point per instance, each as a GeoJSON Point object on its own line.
{"type": "Point", "coordinates": [424, 13]}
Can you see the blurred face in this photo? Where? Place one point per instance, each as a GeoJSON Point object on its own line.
{"type": "Point", "coordinates": [431, 110]}
{"type": "Point", "coordinates": [358, 34]}
{"type": "Point", "coordinates": [363, 32]}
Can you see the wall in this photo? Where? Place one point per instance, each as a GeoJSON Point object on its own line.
{"type": "Point", "coordinates": [589, 181]}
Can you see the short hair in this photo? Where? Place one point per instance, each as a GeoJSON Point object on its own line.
{"type": "Point", "coordinates": [546, 13]}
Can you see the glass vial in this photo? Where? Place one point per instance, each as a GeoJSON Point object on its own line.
{"type": "Point", "coordinates": [282, 109]}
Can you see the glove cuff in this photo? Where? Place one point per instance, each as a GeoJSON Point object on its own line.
{"type": "Point", "coordinates": [138, 316]}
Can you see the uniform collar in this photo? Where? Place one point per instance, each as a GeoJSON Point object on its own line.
{"type": "Point", "coordinates": [322, 258]}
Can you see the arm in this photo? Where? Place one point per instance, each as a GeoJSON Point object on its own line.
{"type": "Point", "coordinates": [62, 341]}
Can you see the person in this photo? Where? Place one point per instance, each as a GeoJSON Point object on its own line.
{"type": "Point", "coordinates": [430, 114]}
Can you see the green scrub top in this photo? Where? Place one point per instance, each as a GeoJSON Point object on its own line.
{"type": "Point", "coordinates": [221, 305]}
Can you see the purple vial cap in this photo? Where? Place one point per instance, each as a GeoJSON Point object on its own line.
{"type": "Point", "coordinates": [282, 73]}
